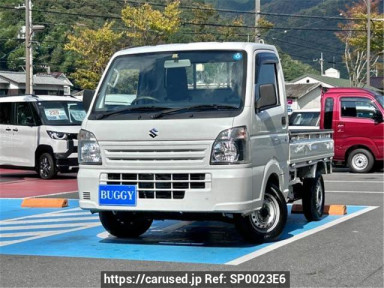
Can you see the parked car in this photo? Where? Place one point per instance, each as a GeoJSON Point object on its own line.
{"type": "Point", "coordinates": [304, 119]}
{"type": "Point", "coordinates": [356, 117]}
{"type": "Point", "coordinates": [183, 150]}
{"type": "Point", "coordinates": [40, 132]}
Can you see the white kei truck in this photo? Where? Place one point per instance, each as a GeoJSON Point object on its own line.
{"type": "Point", "coordinates": [197, 131]}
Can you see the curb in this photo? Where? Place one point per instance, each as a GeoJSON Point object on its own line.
{"type": "Point", "coordinates": [328, 209]}
{"type": "Point", "coordinates": [45, 203]}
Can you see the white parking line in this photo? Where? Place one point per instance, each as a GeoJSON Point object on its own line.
{"type": "Point", "coordinates": [44, 220]}
{"type": "Point", "coordinates": [44, 225]}
{"type": "Point", "coordinates": [281, 243]}
{"type": "Point", "coordinates": [353, 181]}
{"type": "Point", "coordinates": [356, 192]}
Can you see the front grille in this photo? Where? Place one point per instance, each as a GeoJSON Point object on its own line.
{"type": "Point", "coordinates": [150, 155]}
{"type": "Point", "coordinates": [159, 185]}
{"type": "Point", "coordinates": [87, 195]}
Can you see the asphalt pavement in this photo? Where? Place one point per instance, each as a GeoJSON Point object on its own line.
{"type": "Point", "coordinates": [349, 254]}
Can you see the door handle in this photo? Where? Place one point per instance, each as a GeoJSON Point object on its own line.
{"type": "Point", "coordinates": [15, 129]}
{"type": "Point", "coordinates": [8, 129]}
{"type": "Point", "coordinates": [283, 121]}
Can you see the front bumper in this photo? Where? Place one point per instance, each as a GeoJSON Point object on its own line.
{"type": "Point", "coordinates": [223, 190]}
{"type": "Point", "coordinates": [66, 155]}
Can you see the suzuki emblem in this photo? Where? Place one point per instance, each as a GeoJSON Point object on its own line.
{"type": "Point", "coordinates": [153, 132]}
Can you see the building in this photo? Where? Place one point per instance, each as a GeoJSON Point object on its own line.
{"type": "Point", "coordinates": [13, 83]}
{"type": "Point", "coordinates": [303, 96]}
{"type": "Point", "coordinates": [305, 91]}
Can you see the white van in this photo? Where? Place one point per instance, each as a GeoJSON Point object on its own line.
{"type": "Point", "coordinates": [40, 132]}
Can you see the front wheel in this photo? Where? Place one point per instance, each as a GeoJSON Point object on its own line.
{"type": "Point", "coordinates": [360, 161]}
{"type": "Point", "coordinates": [47, 167]}
{"type": "Point", "coordinates": [124, 224]}
{"type": "Point", "coordinates": [313, 198]}
{"type": "Point", "coordinates": [266, 223]}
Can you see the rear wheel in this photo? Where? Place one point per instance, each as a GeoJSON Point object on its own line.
{"type": "Point", "coordinates": [124, 224]}
{"type": "Point", "coordinates": [47, 166]}
{"type": "Point", "coordinates": [313, 198]}
{"type": "Point", "coordinates": [266, 223]}
{"type": "Point", "coordinates": [360, 161]}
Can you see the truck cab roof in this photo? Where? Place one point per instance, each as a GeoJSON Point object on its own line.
{"type": "Point", "coordinates": [197, 46]}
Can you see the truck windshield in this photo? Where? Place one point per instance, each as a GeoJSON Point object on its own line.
{"type": "Point", "coordinates": [61, 113]}
{"type": "Point", "coordinates": [148, 84]}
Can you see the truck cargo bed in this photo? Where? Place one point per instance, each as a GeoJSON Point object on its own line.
{"type": "Point", "coordinates": [306, 146]}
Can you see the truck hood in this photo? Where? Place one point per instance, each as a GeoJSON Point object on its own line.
{"type": "Point", "coordinates": [158, 130]}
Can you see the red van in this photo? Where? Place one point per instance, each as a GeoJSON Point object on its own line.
{"type": "Point", "coordinates": [356, 117]}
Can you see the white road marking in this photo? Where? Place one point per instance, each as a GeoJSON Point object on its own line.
{"type": "Point", "coordinates": [13, 228]}
{"type": "Point", "coordinates": [282, 243]}
{"type": "Point", "coordinates": [53, 194]}
{"type": "Point", "coordinates": [45, 220]}
{"type": "Point", "coordinates": [362, 181]}
{"type": "Point", "coordinates": [79, 213]}
{"type": "Point", "coordinates": [46, 234]}
{"type": "Point", "coordinates": [356, 192]}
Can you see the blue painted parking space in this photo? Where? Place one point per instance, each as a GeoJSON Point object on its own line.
{"type": "Point", "coordinates": [72, 232]}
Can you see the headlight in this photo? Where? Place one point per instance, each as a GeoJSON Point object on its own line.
{"type": "Point", "coordinates": [89, 149]}
{"type": "Point", "coordinates": [57, 135]}
{"type": "Point", "coordinates": [231, 147]}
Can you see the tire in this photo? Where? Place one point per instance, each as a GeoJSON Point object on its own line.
{"type": "Point", "coordinates": [360, 161]}
{"type": "Point", "coordinates": [267, 223]}
{"type": "Point", "coordinates": [46, 166]}
{"type": "Point", "coordinates": [313, 198]}
{"type": "Point", "coordinates": [124, 224]}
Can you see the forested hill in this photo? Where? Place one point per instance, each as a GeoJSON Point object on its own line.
{"type": "Point", "coordinates": [299, 36]}
{"type": "Point", "coordinates": [60, 17]}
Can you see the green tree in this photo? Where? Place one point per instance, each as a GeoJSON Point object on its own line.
{"type": "Point", "coordinates": [94, 48]}
{"type": "Point", "coordinates": [147, 26]}
{"type": "Point", "coordinates": [355, 39]}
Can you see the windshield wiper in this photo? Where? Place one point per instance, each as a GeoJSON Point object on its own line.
{"type": "Point", "coordinates": [128, 109]}
{"type": "Point", "coordinates": [204, 107]}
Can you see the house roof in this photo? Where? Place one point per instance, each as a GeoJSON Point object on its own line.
{"type": "Point", "coordinates": [19, 78]}
{"type": "Point", "coordinates": [2, 81]}
{"type": "Point", "coordinates": [299, 90]}
{"type": "Point", "coordinates": [335, 82]}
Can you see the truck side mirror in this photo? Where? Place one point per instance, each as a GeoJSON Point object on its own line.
{"type": "Point", "coordinates": [266, 96]}
{"type": "Point", "coordinates": [87, 98]}
{"type": "Point", "coordinates": [378, 117]}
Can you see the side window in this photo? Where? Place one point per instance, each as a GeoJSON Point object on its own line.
{"type": "Point", "coordinates": [266, 84]}
{"type": "Point", "coordinates": [358, 108]}
{"type": "Point", "coordinates": [5, 113]}
{"type": "Point", "coordinates": [122, 87]}
{"type": "Point", "coordinates": [24, 114]}
{"type": "Point", "coordinates": [328, 113]}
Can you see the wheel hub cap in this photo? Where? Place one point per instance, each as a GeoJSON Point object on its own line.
{"type": "Point", "coordinates": [266, 218]}
{"type": "Point", "coordinates": [360, 161]}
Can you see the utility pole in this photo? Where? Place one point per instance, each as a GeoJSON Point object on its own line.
{"type": "Point", "coordinates": [257, 18]}
{"type": "Point", "coordinates": [368, 42]}
{"type": "Point", "coordinates": [28, 48]}
{"type": "Point", "coordinates": [321, 61]}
